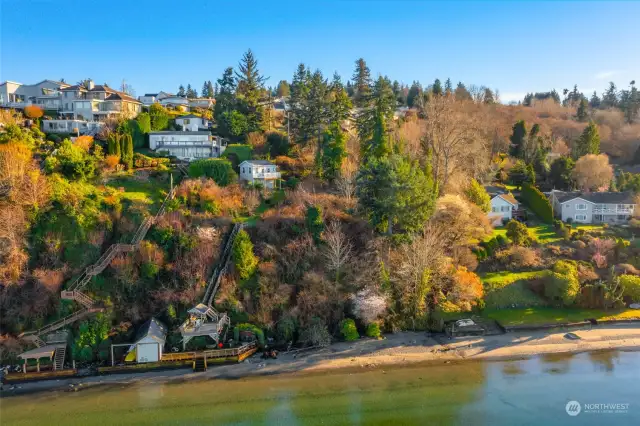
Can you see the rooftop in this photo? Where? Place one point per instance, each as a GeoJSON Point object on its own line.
{"type": "Point", "coordinates": [259, 162]}
{"type": "Point", "coordinates": [175, 132]}
{"type": "Point", "coordinates": [597, 197]}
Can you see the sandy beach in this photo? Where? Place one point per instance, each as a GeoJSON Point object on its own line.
{"type": "Point", "coordinates": [394, 350]}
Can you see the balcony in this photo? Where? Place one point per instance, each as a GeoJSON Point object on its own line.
{"type": "Point", "coordinates": [267, 175]}
{"type": "Point", "coordinates": [606, 210]}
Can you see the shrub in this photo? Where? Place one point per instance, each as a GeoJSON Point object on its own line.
{"type": "Point", "coordinates": [218, 169]}
{"type": "Point", "coordinates": [518, 233]}
{"type": "Point", "coordinates": [502, 240]}
{"type": "Point", "coordinates": [478, 195]}
{"type": "Point", "coordinates": [518, 257]}
{"type": "Point", "coordinates": [159, 117]}
{"type": "Point", "coordinates": [314, 222]}
{"type": "Point", "coordinates": [278, 144]}
{"type": "Point", "coordinates": [33, 111]}
{"type": "Point", "coordinates": [244, 260]}
{"type": "Point", "coordinates": [562, 285]}
{"type": "Point", "coordinates": [249, 327]}
{"type": "Point", "coordinates": [631, 287]}
{"type": "Point", "coordinates": [348, 330]}
{"type": "Point", "coordinates": [373, 330]}
{"type": "Point", "coordinates": [315, 334]}
{"type": "Point", "coordinates": [537, 202]}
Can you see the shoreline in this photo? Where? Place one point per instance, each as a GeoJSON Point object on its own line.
{"type": "Point", "coordinates": [396, 350]}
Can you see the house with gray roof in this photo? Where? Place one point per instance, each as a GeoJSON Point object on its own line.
{"type": "Point", "coordinates": [149, 343]}
{"type": "Point", "coordinates": [504, 206]}
{"type": "Point", "coordinates": [593, 207]}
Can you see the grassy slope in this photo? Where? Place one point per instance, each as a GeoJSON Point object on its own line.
{"type": "Point", "coordinates": [146, 191]}
{"type": "Point", "coordinates": [542, 315]}
{"type": "Point", "coordinates": [506, 289]}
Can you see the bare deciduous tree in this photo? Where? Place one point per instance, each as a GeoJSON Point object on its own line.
{"type": "Point", "coordinates": [593, 172]}
{"type": "Point", "coordinates": [452, 136]}
{"type": "Point", "coordinates": [338, 250]}
{"type": "Point", "coordinates": [368, 305]}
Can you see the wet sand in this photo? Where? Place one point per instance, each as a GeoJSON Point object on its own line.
{"type": "Point", "coordinates": [398, 349]}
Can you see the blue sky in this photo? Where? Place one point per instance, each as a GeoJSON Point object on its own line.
{"type": "Point", "coordinates": [156, 45]}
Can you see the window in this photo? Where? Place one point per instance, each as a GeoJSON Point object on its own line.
{"type": "Point", "coordinates": [581, 217]}
{"type": "Point", "coordinates": [621, 217]}
{"type": "Point", "coordinates": [495, 209]}
{"type": "Point", "coordinates": [581, 206]}
{"type": "Point", "coordinates": [504, 208]}
{"type": "Point", "coordinates": [186, 121]}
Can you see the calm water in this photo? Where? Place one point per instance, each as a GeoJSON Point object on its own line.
{"type": "Point", "coordinates": [529, 392]}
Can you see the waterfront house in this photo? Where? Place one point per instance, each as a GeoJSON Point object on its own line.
{"type": "Point", "coordinates": [593, 207]}
{"type": "Point", "coordinates": [81, 127]}
{"type": "Point", "coordinates": [45, 94]}
{"type": "Point", "coordinates": [504, 206]}
{"type": "Point", "coordinates": [149, 343]}
{"type": "Point", "coordinates": [192, 123]}
{"type": "Point", "coordinates": [97, 102]}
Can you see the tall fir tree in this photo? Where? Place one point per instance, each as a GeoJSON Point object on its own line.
{"type": "Point", "coordinates": [339, 108]}
{"type": "Point", "coordinates": [205, 91]}
{"type": "Point", "coordinates": [461, 93]}
{"type": "Point", "coordinates": [594, 102]}
{"type": "Point", "coordinates": [395, 193]}
{"type": "Point", "coordinates": [361, 84]}
{"type": "Point", "coordinates": [415, 91]}
{"type": "Point", "coordinates": [380, 108]}
{"type": "Point", "coordinates": [588, 142]}
{"type": "Point", "coordinates": [610, 96]}
{"type": "Point", "coordinates": [448, 88]}
{"type": "Point", "coordinates": [582, 112]}
{"type": "Point", "coordinates": [334, 151]}
{"type": "Point", "coordinates": [517, 139]}
{"type": "Point", "coordinates": [283, 89]}
{"type": "Point", "coordinates": [181, 91]}
{"type": "Point", "coordinates": [210, 89]}
{"type": "Point", "coordinates": [298, 104]}
{"type": "Point", "coordinates": [250, 86]}
{"type": "Point", "coordinates": [436, 89]}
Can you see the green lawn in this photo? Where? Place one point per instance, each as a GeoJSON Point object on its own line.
{"type": "Point", "coordinates": [276, 198]}
{"type": "Point", "coordinates": [542, 315]}
{"type": "Point", "coordinates": [506, 289]}
{"type": "Point", "coordinates": [545, 234]}
{"type": "Point", "coordinates": [147, 191]}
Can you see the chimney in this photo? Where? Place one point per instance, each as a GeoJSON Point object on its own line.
{"type": "Point", "coordinates": [90, 84]}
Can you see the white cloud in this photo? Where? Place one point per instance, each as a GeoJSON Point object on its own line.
{"type": "Point", "coordinates": [605, 74]}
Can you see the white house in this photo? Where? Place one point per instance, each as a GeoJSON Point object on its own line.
{"type": "Point", "coordinates": [150, 98]}
{"type": "Point", "coordinates": [192, 123]}
{"type": "Point", "coordinates": [45, 94]}
{"type": "Point", "coordinates": [187, 145]}
{"type": "Point", "coordinates": [593, 207]}
{"type": "Point", "coordinates": [149, 344]}
{"type": "Point", "coordinates": [503, 205]}
{"type": "Point", "coordinates": [259, 171]}
{"type": "Point", "coordinates": [174, 101]}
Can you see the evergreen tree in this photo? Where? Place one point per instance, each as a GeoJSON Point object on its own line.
{"type": "Point", "coordinates": [448, 88]}
{"type": "Point", "coordinates": [113, 144]}
{"type": "Point", "coordinates": [630, 102]}
{"type": "Point", "coordinates": [415, 91]}
{"type": "Point", "coordinates": [610, 97]}
{"type": "Point", "coordinates": [191, 93]}
{"type": "Point", "coordinates": [517, 139]}
{"type": "Point", "coordinates": [560, 174]}
{"type": "Point", "coordinates": [436, 89]}
{"type": "Point", "coordinates": [313, 220]}
{"type": "Point", "coordinates": [522, 173]}
{"type": "Point", "coordinates": [395, 192]}
{"type": "Point", "coordinates": [244, 260]}
{"type": "Point", "coordinates": [489, 97]}
{"type": "Point", "coordinates": [205, 91]}
{"type": "Point", "coordinates": [588, 142]}
{"type": "Point", "coordinates": [250, 87]}
{"type": "Point", "coordinates": [316, 112]}
{"type": "Point", "coordinates": [210, 91]}
{"type": "Point", "coordinates": [381, 107]}
{"type": "Point", "coordinates": [478, 195]}
{"type": "Point", "coordinates": [461, 93]}
{"type": "Point", "coordinates": [127, 151]}
{"type": "Point", "coordinates": [339, 108]}
{"type": "Point", "coordinates": [334, 151]}
{"type": "Point", "coordinates": [595, 101]}
{"type": "Point", "coordinates": [582, 113]}
{"type": "Point", "coordinates": [298, 104]}
{"type": "Point", "coordinates": [225, 106]}
{"type": "Point", "coordinates": [159, 117]}
{"type": "Point", "coordinates": [361, 83]}
{"type": "Point", "coordinates": [283, 90]}
{"type": "Point", "coordinates": [181, 91]}
{"type": "Point", "coordinates": [215, 89]}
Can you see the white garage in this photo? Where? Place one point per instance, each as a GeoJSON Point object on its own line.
{"type": "Point", "coordinates": [149, 343]}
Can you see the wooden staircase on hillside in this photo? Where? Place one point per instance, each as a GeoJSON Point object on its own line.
{"type": "Point", "coordinates": [58, 358]}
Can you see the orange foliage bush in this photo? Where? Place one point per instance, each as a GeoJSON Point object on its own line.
{"type": "Point", "coordinates": [52, 279]}
{"type": "Point", "coordinates": [33, 111]}
{"type": "Point", "coordinates": [197, 192]}
{"type": "Point", "coordinates": [111, 161]}
{"type": "Point", "coordinates": [84, 142]}
{"type": "Point", "coordinates": [466, 288]}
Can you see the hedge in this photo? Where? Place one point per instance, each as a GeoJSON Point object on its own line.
{"type": "Point", "coordinates": [631, 287]}
{"type": "Point", "coordinates": [218, 169]}
{"type": "Point", "coordinates": [537, 202]}
{"type": "Point", "coordinates": [242, 151]}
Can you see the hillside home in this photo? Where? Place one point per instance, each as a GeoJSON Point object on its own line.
{"type": "Point", "coordinates": [81, 127]}
{"type": "Point", "coordinates": [261, 172]}
{"type": "Point", "coordinates": [593, 207]}
{"type": "Point", "coordinates": [97, 102]}
{"type": "Point", "coordinates": [192, 123]}
{"type": "Point", "coordinates": [150, 98]}
{"type": "Point", "coordinates": [504, 206]}
{"type": "Point", "coordinates": [45, 94]}
{"type": "Point", "coordinates": [187, 145]}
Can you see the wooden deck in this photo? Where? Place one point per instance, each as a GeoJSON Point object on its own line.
{"type": "Point", "coordinates": [43, 375]}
